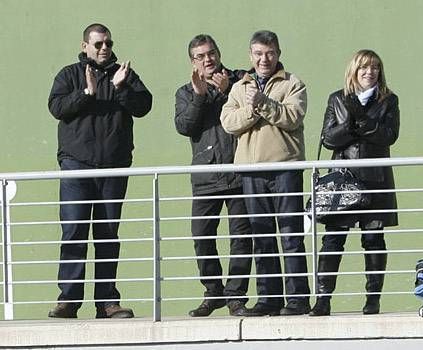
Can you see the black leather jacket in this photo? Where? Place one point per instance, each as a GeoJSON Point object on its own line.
{"type": "Point", "coordinates": [355, 132]}
{"type": "Point", "coordinates": [380, 129]}
{"type": "Point", "coordinates": [198, 117]}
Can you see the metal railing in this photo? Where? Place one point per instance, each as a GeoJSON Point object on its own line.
{"type": "Point", "coordinates": [156, 202]}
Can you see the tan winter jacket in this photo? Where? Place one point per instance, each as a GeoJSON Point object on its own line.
{"type": "Point", "coordinates": [273, 132]}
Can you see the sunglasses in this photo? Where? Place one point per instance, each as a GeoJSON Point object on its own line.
{"type": "Point", "coordinates": [99, 44]}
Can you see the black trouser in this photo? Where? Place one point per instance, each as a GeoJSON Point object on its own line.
{"type": "Point", "coordinates": [274, 183]}
{"type": "Point", "coordinates": [238, 246]}
{"type": "Point", "coordinates": [330, 263]}
{"type": "Point", "coordinates": [89, 189]}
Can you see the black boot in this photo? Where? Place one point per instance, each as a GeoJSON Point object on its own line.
{"type": "Point", "coordinates": [322, 307]}
{"type": "Point", "coordinates": [374, 284]}
{"type": "Point", "coordinates": [326, 284]}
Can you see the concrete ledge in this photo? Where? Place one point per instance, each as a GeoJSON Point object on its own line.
{"type": "Point", "coordinates": [340, 326]}
{"type": "Point", "coordinates": [98, 332]}
{"type": "Point", "coordinates": [207, 330]}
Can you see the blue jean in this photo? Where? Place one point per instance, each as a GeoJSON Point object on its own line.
{"type": "Point", "coordinates": [277, 182]}
{"type": "Point", "coordinates": [89, 189]}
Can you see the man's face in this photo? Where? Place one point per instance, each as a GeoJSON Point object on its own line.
{"type": "Point", "coordinates": [98, 47]}
{"type": "Point", "coordinates": [264, 59]}
{"type": "Point", "coordinates": [206, 59]}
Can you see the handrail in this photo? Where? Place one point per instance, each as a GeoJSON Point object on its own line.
{"type": "Point", "coordinates": [167, 170]}
{"type": "Point", "coordinates": [156, 238]}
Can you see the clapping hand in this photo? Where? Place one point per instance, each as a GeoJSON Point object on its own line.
{"type": "Point", "coordinates": [220, 80]}
{"type": "Point", "coordinates": [90, 79]}
{"type": "Point", "coordinates": [198, 83]}
{"type": "Point", "coordinates": [253, 95]}
{"type": "Point", "coordinates": [121, 74]}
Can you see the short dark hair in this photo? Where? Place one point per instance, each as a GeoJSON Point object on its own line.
{"type": "Point", "coordinates": [199, 40]}
{"type": "Point", "coordinates": [265, 37]}
{"type": "Point", "coordinates": [95, 27]}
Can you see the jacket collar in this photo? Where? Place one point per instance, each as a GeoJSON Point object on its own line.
{"type": "Point", "coordinates": [251, 74]}
{"type": "Point", "coordinates": [85, 60]}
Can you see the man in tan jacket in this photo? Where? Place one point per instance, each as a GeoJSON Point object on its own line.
{"type": "Point", "coordinates": [265, 110]}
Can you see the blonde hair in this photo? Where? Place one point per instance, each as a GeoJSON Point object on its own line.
{"type": "Point", "coordinates": [360, 59]}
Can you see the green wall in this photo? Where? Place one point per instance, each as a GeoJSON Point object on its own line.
{"type": "Point", "coordinates": [39, 37]}
{"type": "Point", "coordinates": [317, 38]}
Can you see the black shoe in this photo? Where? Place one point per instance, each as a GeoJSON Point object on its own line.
{"type": "Point", "coordinates": [372, 305]}
{"type": "Point", "coordinates": [63, 310]}
{"type": "Point", "coordinates": [237, 308]}
{"type": "Point", "coordinates": [296, 307]}
{"type": "Point", "coordinates": [321, 308]}
{"type": "Point", "coordinates": [207, 307]}
{"type": "Point", "coordinates": [261, 309]}
{"type": "Point", "coordinates": [114, 311]}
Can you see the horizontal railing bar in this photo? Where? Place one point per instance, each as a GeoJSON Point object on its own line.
{"type": "Point", "coordinates": [209, 298]}
{"type": "Point", "coordinates": [220, 237]}
{"type": "Point", "coordinates": [178, 218]}
{"type": "Point", "coordinates": [147, 279]}
{"type": "Point", "coordinates": [80, 301]}
{"type": "Point", "coordinates": [241, 216]}
{"type": "Point", "coordinates": [166, 199]}
{"type": "Point", "coordinates": [250, 235]}
{"type": "Point", "coordinates": [234, 196]}
{"type": "Point", "coordinates": [100, 261]}
{"type": "Point", "coordinates": [97, 201]}
{"type": "Point", "coordinates": [305, 274]}
{"type": "Point", "coordinates": [26, 223]}
{"type": "Point", "coordinates": [238, 256]}
{"type": "Point", "coordinates": [361, 211]}
{"type": "Point", "coordinates": [284, 295]}
{"type": "Point", "coordinates": [385, 231]}
{"type": "Point", "coordinates": [216, 168]}
{"type": "Point", "coordinates": [366, 252]}
{"type": "Point", "coordinates": [270, 275]}
{"type": "Point", "coordinates": [123, 240]}
{"type": "Point", "coordinates": [261, 195]}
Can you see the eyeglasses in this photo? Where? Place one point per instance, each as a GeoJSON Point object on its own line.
{"type": "Point", "coordinates": [99, 44]}
{"type": "Point", "coordinates": [201, 56]}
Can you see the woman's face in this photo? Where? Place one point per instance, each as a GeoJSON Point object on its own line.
{"type": "Point", "coordinates": [368, 75]}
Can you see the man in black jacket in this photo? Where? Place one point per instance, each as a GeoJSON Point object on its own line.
{"type": "Point", "coordinates": [198, 107]}
{"type": "Point", "coordinates": [94, 101]}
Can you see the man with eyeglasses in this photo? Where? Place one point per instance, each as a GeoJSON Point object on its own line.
{"type": "Point", "coordinates": [265, 110]}
{"type": "Point", "coordinates": [94, 101]}
{"type": "Point", "coordinates": [198, 107]}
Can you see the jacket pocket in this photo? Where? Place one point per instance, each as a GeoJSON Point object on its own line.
{"type": "Point", "coordinates": [204, 157]}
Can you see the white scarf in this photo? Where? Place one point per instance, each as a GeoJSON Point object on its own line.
{"type": "Point", "coordinates": [365, 95]}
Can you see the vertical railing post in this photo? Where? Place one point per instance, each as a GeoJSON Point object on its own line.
{"type": "Point", "coordinates": [314, 176]}
{"type": "Point", "coordinates": [157, 295]}
{"type": "Point", "coordinates": [7, 255]}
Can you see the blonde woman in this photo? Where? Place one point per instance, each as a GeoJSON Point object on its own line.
{"type": "Point", "coordinates": [361, 121]}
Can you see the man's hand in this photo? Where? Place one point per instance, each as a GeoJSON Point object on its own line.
{"type": "Point", "coordinates": [220, 80]}
{"type": "Point", "coordinates": [121, 74]}
{"type": "Point", "coordinates": [253, 96]}
{"type": "Point", "coordinates": [198, 83]}
{"type": "Point", "coordinates": [91, 80]}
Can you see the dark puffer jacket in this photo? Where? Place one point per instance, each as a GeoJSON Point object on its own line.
{"type": "Point", "coordinates": [353, 131]}
{"type": "Point", "coordinates": [198, 117]}
{"type": "Point", "coordinates": [97, 130]}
